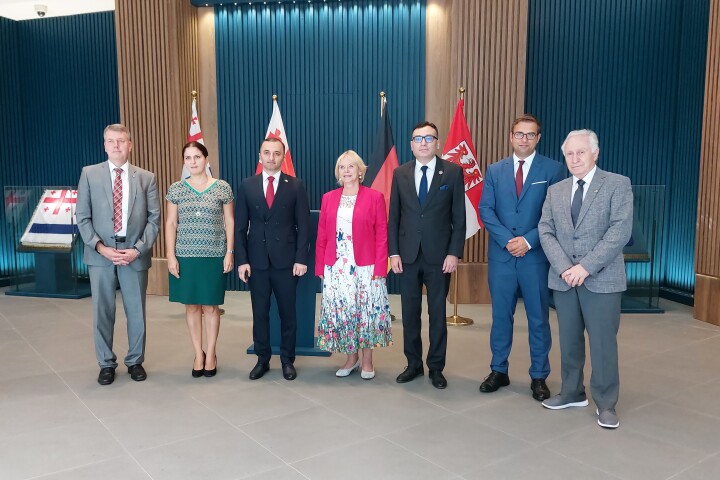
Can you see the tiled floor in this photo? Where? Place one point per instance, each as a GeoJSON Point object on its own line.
{"type": "Point", "coordinates": [57, 423]}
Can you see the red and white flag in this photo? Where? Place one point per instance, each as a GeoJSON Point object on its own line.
{"type": "Point", "coordinates": [459, 150]}
{"type": "Point", "coordinates": [276, 129]}
{"type": "Point", "coordinates": [194, 134]}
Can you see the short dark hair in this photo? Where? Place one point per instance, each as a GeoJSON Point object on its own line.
{"type": "Point", "coordinates": [425, 123]}
{"type": "Point", "coordinates": [197, 145]}
{"type": "Point", "coordinates": [274, 139]}
{"type": "Point", "coordinates": [526, 117]}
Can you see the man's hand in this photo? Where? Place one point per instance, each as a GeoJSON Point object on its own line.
{"type": "Point", "coordinates": [299, 269]}
{"type": "Point", "coordinates": [396, 264]}
{"type": "Point", "coordinates": [575, 275]}
{"type": "Point", "coordinates": [126, 256]}
{"type": "Point", "coordinates": [450, 264]}
{"type": "Point", "coordinates": [517, 247]}
{"type": "Point", "coordinates": [244, 272]}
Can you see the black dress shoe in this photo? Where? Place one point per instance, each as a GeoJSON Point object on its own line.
{"type": "Point", "coordinates": [107, 376]}
{"type": "Point", "coordinates": [409, 374]}
{"type": "Point", "coordinates": [289, 372]}
{"type": "Point", "coordinates": [540, 390]}
{"type": "Point", "coordinates": [137, 372]}
{"type": "Point", "coordinates": [213, 372]}
{"type": "Point", "coordinates": [438, 379]}
{"type": "Point", "coordinates": [201, 372]}
{"type": "Point", "coordinates": [259, 370]}
{"type": "Point", "coordinates": [494, 381]}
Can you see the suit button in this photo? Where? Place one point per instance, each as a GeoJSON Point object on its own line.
{"type": "Point", "coordinates": [574, 256]}
{"type": "Point", "coordinates": [514, 229]}
{"type": "Point", "coordinates": [266, 223]}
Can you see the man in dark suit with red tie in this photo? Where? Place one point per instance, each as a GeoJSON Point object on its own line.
{"type": "Point", "coordinates": [426, 238]}
{"type": "Point", "coordinates": [272, 221]}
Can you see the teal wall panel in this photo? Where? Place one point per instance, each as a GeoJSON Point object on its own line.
{"type": "Point", "coordinates": [59, 89]}
{"type": "Point", "coordinates": [327, 62]}
{"type": "Point", "coordinates": [633, 71]}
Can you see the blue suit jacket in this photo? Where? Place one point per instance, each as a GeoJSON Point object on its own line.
{"type": "Point", "coordinates": [506, 216]}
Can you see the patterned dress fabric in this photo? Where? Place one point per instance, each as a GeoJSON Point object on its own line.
{"type": "Point", "coordinates": [355, 312]}
{"type": "Point", "coordinates": [201, 229]}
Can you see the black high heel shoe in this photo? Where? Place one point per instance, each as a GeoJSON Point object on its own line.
{"type": "Point", "coordinates": [211, 373]}
{"type": "Point", "coordinates": [201, 372]}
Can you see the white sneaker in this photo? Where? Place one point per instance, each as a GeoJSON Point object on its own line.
{"type": "Point", "coordinates": [344, 372]}
{"type": "Point", "coordinates": [557, 402]}
{"type": "Point", "coordinates": [607, 418]}
{"type": "Point", "coordinates": [367, 375]}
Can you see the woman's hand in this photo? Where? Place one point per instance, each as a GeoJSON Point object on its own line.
{"type": "Point", "coordinates": [173, 266]}
{"type": "Point", "coordinates": [228, 262]}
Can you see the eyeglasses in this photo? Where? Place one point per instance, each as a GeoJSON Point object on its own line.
{"type": "Point", "coordinates": [427, 138]}
{"type": "Point", "coordinates": [520, 135]}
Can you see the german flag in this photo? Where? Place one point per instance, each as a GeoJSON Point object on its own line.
{"type": "Point", "coordinates": [384, 159]}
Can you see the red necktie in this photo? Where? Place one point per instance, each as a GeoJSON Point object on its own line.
{"type": "Point", "coordinates": [270, 193]}
{"type": "Point", "coordinates": [519, 178]}
{"type": "Point", "coordinates": [117, 200]}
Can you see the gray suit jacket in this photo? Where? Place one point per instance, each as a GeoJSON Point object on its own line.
{"type": "Point", "coordinates": [603, 228]}
{"type": "Point", "coordinates": [94, 213]}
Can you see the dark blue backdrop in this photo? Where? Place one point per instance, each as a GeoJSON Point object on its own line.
{"type": "Point", "coordinates": [633, 71]}
{"type": "Point", "coordinates": [327, 62]}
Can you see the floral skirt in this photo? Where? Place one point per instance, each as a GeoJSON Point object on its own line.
{"type": "Point", "coordinates": [355, 312]}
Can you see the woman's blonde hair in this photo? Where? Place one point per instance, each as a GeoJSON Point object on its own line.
{"type": "Point", "coordinates": [355, 158]}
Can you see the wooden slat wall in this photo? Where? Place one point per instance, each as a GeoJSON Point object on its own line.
{"type": "Point", "coordinates": [157, 70]}
{"type": "Point", "coordinates": [486, 46]}
{"type": "Point", "coordinates": [707, 252]}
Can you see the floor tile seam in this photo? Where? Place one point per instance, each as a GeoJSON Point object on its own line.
{"type": "Point", "coordinates": [695, 382]}
{"type": "Point", "coordinates": [541, 443]}
{"type": "Point", "coordinates": [493, 400]}
{"type": "Point", "coordinates": [408, 425]}
{"type": "Point", "coordinates": [580, 462]}
{"type": "Point", "coordinates": [193, 436]}
{"type": "Point", "coordinates": [76, 467]}
{"type": "Point", "coordinates": [689, 467]}
{"type": "Point", "coordinates": [263, 419]}
{"type": "Point", "coordinates": [416, 454]}
{"type": "Point", "coordinates": [336, 449]}
{"type": "Point", "coordinates": [271, 469]}
{"type": "Point", "coordinates": [448, 409]}
{"type": "Point", "coordinates": [73, 316]}
{"type": "Point", "coordinates": [685, 409]}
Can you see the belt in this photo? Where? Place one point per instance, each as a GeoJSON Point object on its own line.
{"type": "Point", "coordinates": [120, 239]}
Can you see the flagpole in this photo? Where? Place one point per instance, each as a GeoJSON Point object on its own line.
{"type": "Point", "coordinates": [455, 320]}
{"type": "Point", "coordinates": [383, 101]}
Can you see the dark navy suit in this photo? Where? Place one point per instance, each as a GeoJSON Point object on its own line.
{"type": "Point", "coordinates": [272, 240]}
{"type": "Point", "coordinates": [507, 216]}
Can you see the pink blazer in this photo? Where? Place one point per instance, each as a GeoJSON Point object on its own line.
{"type": "Point", "coordinates": [369, 231]}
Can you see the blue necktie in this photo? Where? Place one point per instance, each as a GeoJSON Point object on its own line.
{"type": "Point", "coordinates": [577, 200]}
{"type": "Point", "coordinates": [423, 190]}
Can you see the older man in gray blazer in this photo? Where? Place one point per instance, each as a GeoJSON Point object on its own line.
{"type": "Point", "coordinates": [118, 215]}
{"type": "Point", "coordinates": [586, 222]}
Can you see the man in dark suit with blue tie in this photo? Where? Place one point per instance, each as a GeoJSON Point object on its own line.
{"type": "Point", "coordinates": [272, 221]}
{"type": "Point", "coordinates": [426, 237]}
{"type": "Point", "coordinates": [511, 205]}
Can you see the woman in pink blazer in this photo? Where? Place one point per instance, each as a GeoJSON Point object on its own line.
{"type": "Point", "coordinates": [351, 258]}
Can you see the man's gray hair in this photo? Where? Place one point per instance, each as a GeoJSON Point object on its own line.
{"type": "Point", "coordinates": [591, 136]}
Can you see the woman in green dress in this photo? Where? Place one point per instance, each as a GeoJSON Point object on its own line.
{"type": "Point", "coordinates": [199, 235]}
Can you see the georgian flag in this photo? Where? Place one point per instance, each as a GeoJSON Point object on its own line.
{"type": "Point", "coordinates": [276, 129]}
{"type": "Point", "coordinates": [53, 223]}
{"type": "Point", "coordinates": [194, 134]}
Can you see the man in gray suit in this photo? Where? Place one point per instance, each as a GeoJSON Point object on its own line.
{"type": "Point", "coordinates": [586, 222]}
{"type": "Point", "coordinates": [118, 214]}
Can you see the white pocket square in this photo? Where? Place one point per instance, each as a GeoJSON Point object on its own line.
{"type": "Point", "coordinates": [542, 181]}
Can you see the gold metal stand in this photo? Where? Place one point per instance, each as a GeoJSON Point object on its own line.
{"type": "Point", "coordinates": [455, 320]}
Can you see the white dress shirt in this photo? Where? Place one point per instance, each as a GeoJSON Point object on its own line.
{"type": "Point", "coordinates": [587, 179]}
{"type": "Point", "coordinates": [430, 172]}
{"type": "Point", "coordinates": [526, 165]}
{"type": "Point", "coordinates": [276, 182]}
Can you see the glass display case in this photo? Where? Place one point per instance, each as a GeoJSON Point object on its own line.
{"type": "Point", "coordinates": [643, 253]}
{"type": "Point", "coordinates": [42, 246]}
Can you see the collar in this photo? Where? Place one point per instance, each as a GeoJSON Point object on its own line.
{"type": "Point", "coordinates": [431, 165]}
{"type": "Point", "coordinates": [125, 167]}
{"type": "Point", "coordinates": [276, 176]}
{"type": "Point", "coordinates": [587, 178]}
{"type": "Point", "coordinates": [528, 160]}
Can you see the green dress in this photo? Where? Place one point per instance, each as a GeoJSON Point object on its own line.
{"type": "Point", "coordinates": [200, 244]}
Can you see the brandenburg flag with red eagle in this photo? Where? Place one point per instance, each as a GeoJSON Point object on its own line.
{"type": "Point", "coordinates": [459, 150]}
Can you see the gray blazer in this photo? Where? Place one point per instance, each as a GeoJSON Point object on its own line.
{"type": "Point", "coordinates": [603, 228]}
{"type": "Point", "coordinates": [94, 213]}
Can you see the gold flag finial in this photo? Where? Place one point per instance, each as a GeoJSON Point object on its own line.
{"type": "Point", "coordinates": [274, 98]}
{"type": "Point", "coordinates": [462, 93]}
{"type": "Point", "coordinates": [194, 93]}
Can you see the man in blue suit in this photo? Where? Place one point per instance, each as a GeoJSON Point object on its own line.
{"type": "Point", "coordinates": [510, 208]}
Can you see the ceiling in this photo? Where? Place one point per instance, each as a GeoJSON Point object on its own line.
{"type": "Point", "coordinates": [25, 9]}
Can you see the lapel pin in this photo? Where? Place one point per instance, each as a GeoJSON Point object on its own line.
{"type": "Point", "coordinates": [286, 180]}
{"type": "Point", "coordinates": [440, 172]}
